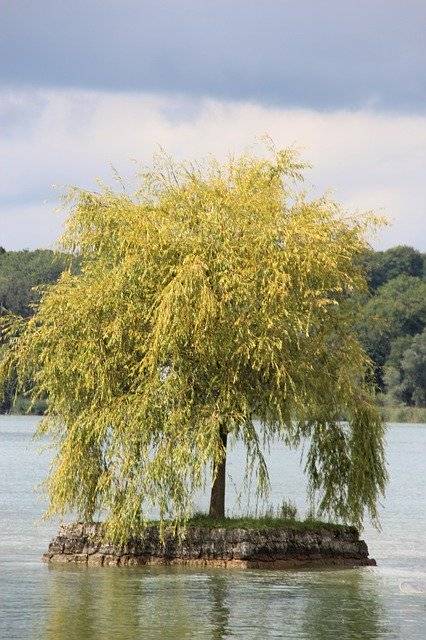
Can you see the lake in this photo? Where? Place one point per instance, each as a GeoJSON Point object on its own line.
{"type": "Point", "coordinates": [41, 602]}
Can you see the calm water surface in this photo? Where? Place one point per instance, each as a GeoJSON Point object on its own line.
{"type": "Point", "coordinates": [75, 603]}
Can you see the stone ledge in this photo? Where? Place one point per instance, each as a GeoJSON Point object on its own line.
{"type": "Point", "coordinates": [280, 548]}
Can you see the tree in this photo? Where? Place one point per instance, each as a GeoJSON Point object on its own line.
{"type": "Point", "coordinates": [22, 272]}
{"type": "Point", "coordinates": [382, 266]}
{"type": "Point", "coordinates": [214, 297]}
{"type": "Point", "coordinates": [405, 371]}
{"type": "Point", "coordinates": [398, 309]}
{"type": "Point", "coordinates": [22, 277]}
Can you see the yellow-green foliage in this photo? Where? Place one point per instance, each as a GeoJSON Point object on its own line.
{"type": "Point", "coordinates": [213, 296]}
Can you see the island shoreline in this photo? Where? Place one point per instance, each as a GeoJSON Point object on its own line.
{"type": "Point", "coordinates": [230, 548]}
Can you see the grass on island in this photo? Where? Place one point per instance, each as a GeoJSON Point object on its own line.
{"type": "Point", "coordinates": [283, 517]}
{"type": "Point", "coordinates": [262, 522]}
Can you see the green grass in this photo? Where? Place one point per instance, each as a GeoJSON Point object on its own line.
{"type": "Point", "coordinates": [262, 522]}
{"type": "Point", "coordinates": [283, 516]}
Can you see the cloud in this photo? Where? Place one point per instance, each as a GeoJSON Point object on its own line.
{"type": "Point", "coordinates": [310, 53]}
{"type": "Point", "coordinates": [29, 226]}
{"type": "Point", "coordinates": [371, 160]}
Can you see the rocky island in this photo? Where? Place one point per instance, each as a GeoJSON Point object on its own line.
{"type": "Point", "coordinates": [228, 547]}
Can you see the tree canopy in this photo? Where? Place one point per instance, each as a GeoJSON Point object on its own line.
{"type": "Point", "coordinates": [397, 310]}
{"type": "Point", "coordinates": [216, 299]}
{"type": "Point", "coordinates": [21, 285]}
{"type": "Point", "coordinates": [405, 370]}
{"type": "Point", "coordinates": [382, 266]}
{"type": "Point", "coordinates": [21, 272]}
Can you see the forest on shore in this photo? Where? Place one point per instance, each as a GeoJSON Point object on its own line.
{"type": "Point", "coordinates": [391, 326]}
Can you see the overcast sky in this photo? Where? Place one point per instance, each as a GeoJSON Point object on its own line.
{"type": "Point", "coordinates": [84, 85]}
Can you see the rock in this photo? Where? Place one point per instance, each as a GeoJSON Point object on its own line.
{"type": "Point", "coordinates": [244, 548]}
{"type": "Point", "coordinates": [95, 560]}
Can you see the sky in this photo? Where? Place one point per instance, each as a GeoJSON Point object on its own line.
{"type": "Point", "coordinates": [87, 85]}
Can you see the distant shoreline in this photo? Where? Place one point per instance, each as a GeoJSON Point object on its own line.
{"type": "Point", "coordinates": [405, 415]}
{"type": "Point", "coordinates": [396, 415]}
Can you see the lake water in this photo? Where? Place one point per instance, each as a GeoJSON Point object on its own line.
{"type": "Point", "coordinates": [41, 602]}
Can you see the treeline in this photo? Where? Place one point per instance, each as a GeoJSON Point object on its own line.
{"type": "Point", "coordinates": [23, 274]}
{"type": "Point", "coordinates": [391, 326]}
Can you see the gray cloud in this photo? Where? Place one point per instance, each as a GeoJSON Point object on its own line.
{"type": "Point", "coordinates": [320, 53]}
{"type": "Point", "coordinates": [372, 160]}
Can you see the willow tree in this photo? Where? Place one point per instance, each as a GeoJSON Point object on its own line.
{"type": "Point", "coordinates": [213, 301]}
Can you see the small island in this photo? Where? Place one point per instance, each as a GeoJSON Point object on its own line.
{"type": "Point", "coordinates": [243, 543]}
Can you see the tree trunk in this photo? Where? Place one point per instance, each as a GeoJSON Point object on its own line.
{"type": "Point", "coordinates": [217, 498]}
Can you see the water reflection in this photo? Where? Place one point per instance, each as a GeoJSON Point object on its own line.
{"type": "Point", "coordinates": [348, 603]}
{"type": "Point", "coordinates": [125, 604]}
{"type": "Point", "coordinates": [218, 593]}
